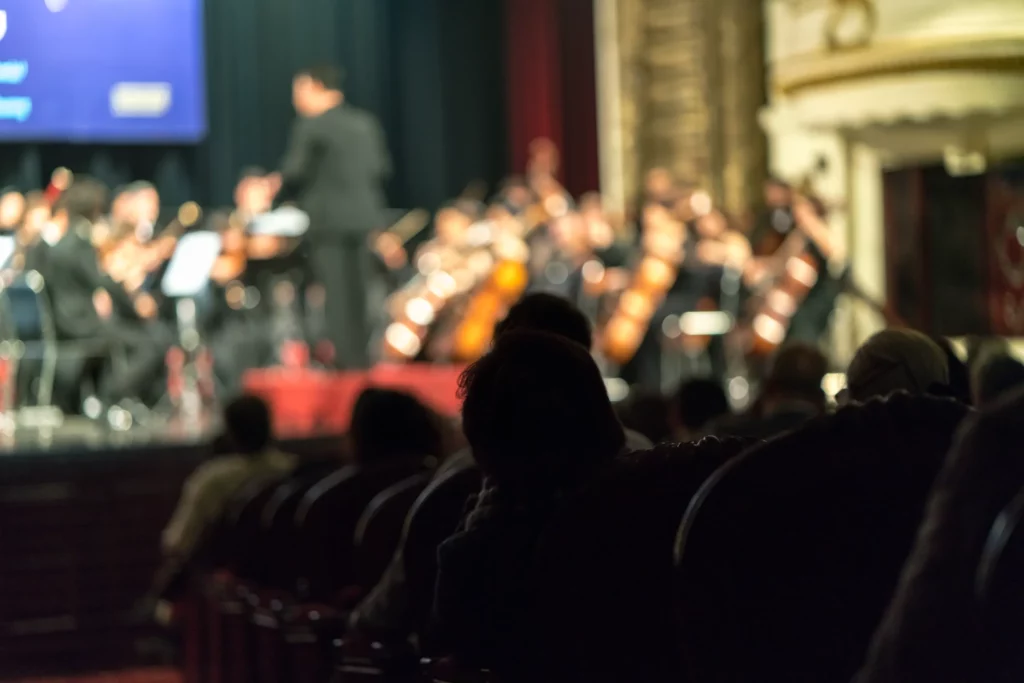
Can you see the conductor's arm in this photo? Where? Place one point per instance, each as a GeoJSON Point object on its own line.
{"type": "Point", "coordinates": [298, 160]}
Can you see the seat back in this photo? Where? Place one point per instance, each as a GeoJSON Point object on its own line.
{"type": "Point", "coordinates": [327, 516]}
{"type": "Point", "coordinates": [1001, 594]}
{"type": "Point", "coordinates": [279, 533]}
{"type": "Point", "coordinates": [380, 528]}
{"type": "Point", "coordinates": [601, 578]}
{"type": "Point", "coordinates": [242, 530]}
{"type": "Point", "coordinates": [789, 555]}
{"type": "Point", "coordinates": [433, 518]}
{"type": "Point", "coordinates": [24, 311]}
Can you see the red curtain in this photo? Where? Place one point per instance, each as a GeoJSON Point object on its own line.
{"type": "Point", "coordinates": [551, 85]}
{"type": "Point", "coordinates": [579, 97]}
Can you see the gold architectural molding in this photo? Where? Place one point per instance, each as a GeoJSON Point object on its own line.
{"type": "Point", "coordinates": [906, 56]}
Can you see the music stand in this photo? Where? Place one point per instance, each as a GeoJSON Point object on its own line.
{"type": "Point", "coordinates": [188, 272]}
{"type": "Point", "coordinates": [186, 278]}
{"type": "Point", "coordinates": [8, 245]}
{"type": "Point", "coordinates": [286, 221]}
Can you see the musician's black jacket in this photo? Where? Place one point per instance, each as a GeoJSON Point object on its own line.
{"type": "Point", "coordinates": [334, 170]}
{"type": "Point", "coordinates": [73, 276]}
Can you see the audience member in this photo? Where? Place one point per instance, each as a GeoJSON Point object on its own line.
{"type": "Point", "coordinates": [697, 404]}
{"type": "Point", "coordinates": [790, 553]}
{"type": "Point", "coordinates": [791, 395]}
{"type": "Point", "coordinates": [391, 607]}
{"type": "Point", "coordinates": [995, 376]}
{"type": "Point", "coordinates": [543, 312]}
{"type": "Point", "coordinates": [959, 371]}
{"type": "Point", "coordinates": [539, 422]}
{"type": "Point", "coordinates": [647, 414]}
{"type": "Point", "coordinates": [390, 424]}
{"type": "Point", "coordinates": [209, 489]}
{"type": "Point", "coordinates": [897, 360]}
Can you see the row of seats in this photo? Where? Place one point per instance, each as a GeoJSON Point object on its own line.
{"type": "Point", "coordinates": [269, 596]}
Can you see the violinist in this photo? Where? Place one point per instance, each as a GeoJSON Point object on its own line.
{"type": "Point", "coordinates": [34, 234]}
{"type": "Point", "coordinates": [89, 306]}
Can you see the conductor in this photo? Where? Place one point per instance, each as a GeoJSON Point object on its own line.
{"type": "Point", "coordinates": [334, 170]}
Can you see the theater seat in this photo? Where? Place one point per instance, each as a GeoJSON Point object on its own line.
{"type": "Point", "coordinates": [1000, 593]}
{"type": "Point", "coordinates": [326, 520]}
{"type": "Point", "coordinates": [380, 528]}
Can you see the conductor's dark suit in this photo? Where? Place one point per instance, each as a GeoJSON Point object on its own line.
{"type": "Point", "coordinates": [334, 170]}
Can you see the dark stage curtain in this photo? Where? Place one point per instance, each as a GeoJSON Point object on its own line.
{"type": "Point", "coordinates": [552, 85]}
{"type": "Point", "coordinates": [432, 70]}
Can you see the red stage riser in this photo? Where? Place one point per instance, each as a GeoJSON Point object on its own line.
{"type": "Point", "coordinates": [306, 402]}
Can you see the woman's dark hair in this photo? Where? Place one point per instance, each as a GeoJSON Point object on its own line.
{"type": "Point", "coordinates": [247, 423]}
{"type": "Point", "coordinates": [388, 423]}
{"type": "Point", "coordinates": [543, 312]}
{"type": "Point", "coordinates": [536, 413]}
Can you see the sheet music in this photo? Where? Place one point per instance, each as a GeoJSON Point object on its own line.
{"type": "Point", "coordinates": [7, 248]}
{"type": "Point", "coordinates": [188, 273]}
{"type": "Point", "coordinates": [286, 221]}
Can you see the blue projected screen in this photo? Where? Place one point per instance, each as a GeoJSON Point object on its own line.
{"type": "Point", "coordinates": [102, 70]}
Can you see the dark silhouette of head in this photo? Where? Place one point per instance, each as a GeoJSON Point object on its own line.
{"type": "Point", "coordinates": [536, 414]}
{"type": "Point", "coordinates": [388, 424]}
{"type": "Point", "coordinates": [698, 403]}
{"type": "Point", "coordinates": [647, 413]}
{"type": "Point", "coordinates": [247, 424]}
{"type": "Point", "coordinates": [795, 377]}
{"type": "Point", "coordinates": [896, 360]}
{"type": "Point", "coordinates": [542, 312]}
{"type": "Point", "coordinates": [996, 376]}
{"type": "Point", "coordinates": [959, 386]}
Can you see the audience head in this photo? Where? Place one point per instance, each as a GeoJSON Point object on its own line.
{"type": "Point", "coordinates": [959, 372]}
{"type": "Point", "coordinates": [542, 312]}
{"type": "Point", "coordinates": [996, 376]}
{"type": "Point", "coordinates": [387, 424]}
{"type": "Point", "coordinates": [795, 377]}
{"type": "Point", "coordinates": [247, 423]}
{"type": "Point", "coordinates": [697, 404]}
{"type": "Point", "coordinates": [647, 414]}
{"type": "Point", "coordinates": [536, 414]}
{"type": "Point", "coordinates": [897, 360]}
{"type": "Point", "coordinates": [316, 89]}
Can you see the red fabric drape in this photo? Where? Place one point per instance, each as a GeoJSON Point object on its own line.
{"type": "Point", "coordinates": [534, 72]}
{"type": "Point", "coordinates": [579, 97]}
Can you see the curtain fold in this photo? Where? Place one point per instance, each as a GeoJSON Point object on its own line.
{"type": "Point", "coordinates": [534, 75]}
{"type": "Point", "coordinates": [580, 149]}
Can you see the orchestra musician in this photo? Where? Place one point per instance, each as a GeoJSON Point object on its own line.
{"type": "Point", "coordinates": [89, 306]}
{"type": "Point", "coordinates": [795, 223]}
{"type": "Point", "coordinates": [334, 169]}
{"type": "Point", "coordinates": [12, 209]}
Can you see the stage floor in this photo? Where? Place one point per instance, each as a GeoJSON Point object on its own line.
{"type": "Point", "coordinates": [76, 433]}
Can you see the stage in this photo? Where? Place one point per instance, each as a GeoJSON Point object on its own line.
{"type": "Point", "coordinates": [82, 506]}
